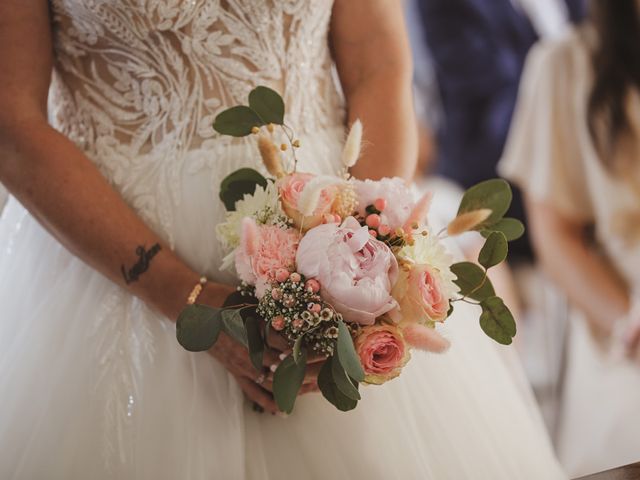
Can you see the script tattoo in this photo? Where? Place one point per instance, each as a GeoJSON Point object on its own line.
{"type": "Point", "coordinates": [142, 265]}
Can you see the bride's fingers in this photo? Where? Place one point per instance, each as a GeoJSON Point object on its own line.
{"type": "Point", "coordinates": [258, 395]}
{"type": "Point", "coordinates": [309, 388]}
{"type": "Point", "coordinates": [311, 373]}
{"type": "Point", "coordinates": [276, 341]}
{"type": "Point", "coordinates": [271, 357]}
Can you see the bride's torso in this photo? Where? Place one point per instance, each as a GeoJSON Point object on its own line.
{"type": "Point", "coordinates": [137, 84]}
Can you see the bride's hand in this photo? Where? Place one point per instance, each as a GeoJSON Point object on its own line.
{"type": "Point", "coordinates": [257, 386]}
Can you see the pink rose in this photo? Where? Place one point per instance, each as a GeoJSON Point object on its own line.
{"type": "Point", "coordinates": [398, 199]}
{"type": "Point", "coordinates": [265, 251]}
{"type": "Point", "coordinates": [291, 187]}
{"type": "Point", "coordinates": [382, 351]}
{"type": "Point", "coordinates": [356, 271]}
{"type": "Point", "coordinates": [420, 295]}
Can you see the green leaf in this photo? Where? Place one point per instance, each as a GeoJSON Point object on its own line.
{"type": "Point", "coordinates": [237, 121]}
{"type": "Point", "coordinates": [342, 380]}
{"type": "Point", "coordinates": [470, 276]}
{"type": "Point", "coordinates": [494, 194]}
{"type": "Point", "coordinates": [512, 228]}
{"type": "Point", "coordinates": [494, 250]}
{"type": "Point", "coordinates": [450, 311]}
{"type": "Point", "coordinates": [198, 327]}
{"type": "Point", "coordinates": [253, 327]}
{"type": "Point", "coordinates": [347, 354]}
{"type": "Point", "coordinates": [330, 390]}
{"type": "Point", "coordinates": [297, 349]}
{"type": "Point", "coordinates": [238, 184]}
{"type": "Point", "coordinates": [237, 299]}
{"type": "Point", "coordinates": [497, 321]}
{"type": "Point", "coordinates": [287, 382]}
{"type": "Point", "coordinates": [233, 325]}
{"type": "Point", "coordinates": [268, 104]}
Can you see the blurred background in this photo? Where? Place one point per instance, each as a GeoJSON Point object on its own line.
{"type": "Point", "coordinates": [544, 93]}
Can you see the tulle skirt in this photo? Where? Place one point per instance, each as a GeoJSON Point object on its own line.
{"type": "Point", "coordinates": [94, 385]}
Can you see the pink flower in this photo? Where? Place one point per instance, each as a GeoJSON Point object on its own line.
{"type": "Point", "coordinates": [263, 253]}
{"type": "Point", "coordinates": [382, 351]}
{"type": "Point", "coordinates": [420, 295]}
{"type": "Point", "coordinates": [398, 200]}
{"type": "Point", "coordinates": [278, 323]}
{"type": "Point", "coordinates": [356, 271]}
{"type": "Point", "coordinates": [291, 187]}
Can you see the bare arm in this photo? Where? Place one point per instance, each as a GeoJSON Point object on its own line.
{"type": "Point", "coordinates": [589, 283]}
{"type": "Point", "coordinates": [373, 58]}
{"type": "Point", "coordinates": [59, 185]}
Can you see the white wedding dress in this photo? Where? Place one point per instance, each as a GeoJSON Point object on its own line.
{"type": "Point", "coordinates": [93, 384]}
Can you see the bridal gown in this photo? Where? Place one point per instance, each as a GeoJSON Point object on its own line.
{"type": "Point", "coordinates": [93, 384]}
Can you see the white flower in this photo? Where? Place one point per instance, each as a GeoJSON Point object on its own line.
{"type": "Point", "coordinates": [263, 206]}
{"type": "Point", "coordinates": [428, 250]}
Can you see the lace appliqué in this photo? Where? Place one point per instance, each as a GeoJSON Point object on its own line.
{"type": "Point", "coordinates": [137, 83]}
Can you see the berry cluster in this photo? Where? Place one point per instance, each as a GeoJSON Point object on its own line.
{"type": "Point", "coordinates": [378, 229]}
{"type": "Point", "coordinates": [293, 307]}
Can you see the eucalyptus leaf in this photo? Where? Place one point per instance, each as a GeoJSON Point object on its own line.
{"type": "Point", "coordinates": [347, 353]}
{"type": "Point", "coordinates": [512, 228]}
{"type": "Point", "coordinates": [493, 194]}
{"type": "Point", "coordinates": [330, 390]}
{"type": "Point", "coordinates": [238, 184]}
{"type": "Point", "coordinates": [237, 299]}
{"type": "Point", "coordinates": [287, 381]}
{"type": "Point", "coordinates": [198, 327]}
{"type": "Point", "coordinates": [342, 380]}
{"type": "Point", "coordinates": [497, 321]}
{"type": "Point", "coordinates": [233, 325]}
{"type": "Point", "coordinates": [237, 121]}
{"type": "Point", "coordinates": [268, 104]}
{"type": "Point", "coordinates": [297, 349]}
{"type": "Point", "coordinates": [494, 250]}
{"type": "Point", "coordinates": [255, 342]}
{"type": "Point", "coordinates": [472, 281]}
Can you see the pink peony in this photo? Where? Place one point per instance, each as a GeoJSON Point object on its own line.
{"type": "Point", "coordinates": [291, 187]}
{"type": "Point", "coordinates": [382, 351]}
{"type": "Point", "coordinates": [398, 200]}
{"type": "Point", "coordinates": [420, 295]}
{"type": "Point", "coordinates": [356, 271]}
{"type": "Point", "coordinates": [264, 252]}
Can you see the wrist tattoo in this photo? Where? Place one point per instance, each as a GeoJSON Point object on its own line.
{"type": "Point", "coordinates": [142, 265]}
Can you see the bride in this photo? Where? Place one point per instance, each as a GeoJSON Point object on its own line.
{"type": "Point", "coordinates": [124, 178]}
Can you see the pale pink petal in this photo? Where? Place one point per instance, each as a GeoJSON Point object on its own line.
{"type": "Point", "coordinates": [420, 211]}
{"type": "Point", "coordinates": [249, 236]}
{"type": "Point", "coordinates": [425, 338]}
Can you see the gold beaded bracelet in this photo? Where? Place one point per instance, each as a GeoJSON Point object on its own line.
{"type": "Point", "coordinates": [197, 290]}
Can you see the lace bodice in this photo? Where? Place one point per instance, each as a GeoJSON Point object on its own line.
{"type": "Point", "coordinates": [137, 83]}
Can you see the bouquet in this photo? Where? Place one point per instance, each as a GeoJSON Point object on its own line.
{"type": "Point", "coordinates": [342, 268]}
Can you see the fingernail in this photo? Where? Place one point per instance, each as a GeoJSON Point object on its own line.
{"type": "Point", "coordinates": [273, 368]}
{"type": "Point", "coordinates": [282, 356]}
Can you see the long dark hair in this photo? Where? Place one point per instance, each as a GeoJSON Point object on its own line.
{"type": "Point", "coordinates": [616, 62]}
